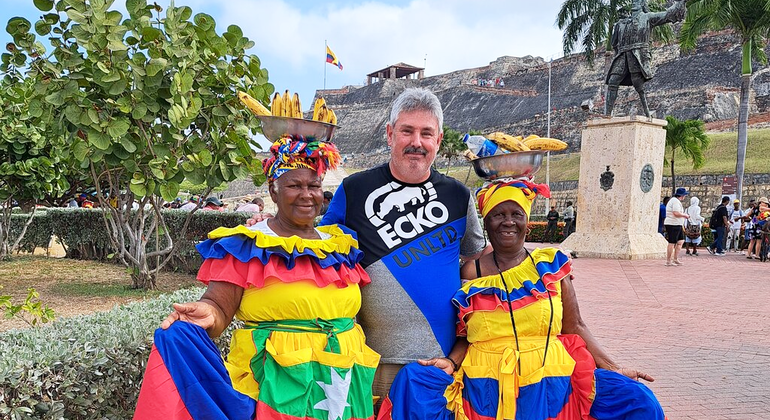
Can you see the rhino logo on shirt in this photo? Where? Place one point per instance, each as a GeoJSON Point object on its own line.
{"type": "Point", "coordinates": [409, 211]}
{"type": "Point", "coordinates": [399, 199]}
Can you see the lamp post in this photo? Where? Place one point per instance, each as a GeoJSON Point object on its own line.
{"type": "Point", "coordinates": [548, 134]}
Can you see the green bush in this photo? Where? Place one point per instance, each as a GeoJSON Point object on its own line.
{"type": "Point", "coordinates": [38, 232]}
{"type": "Point", "coordinates": [87, 367]}
{"type": "Point", "coordinates": [84, 234]}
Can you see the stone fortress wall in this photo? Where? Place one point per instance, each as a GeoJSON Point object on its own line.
{"type": "Point", "coordinates": [704, 85]}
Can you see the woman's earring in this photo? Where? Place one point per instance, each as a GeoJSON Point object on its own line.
{"type": "Point", "coordinates": [529, 230]}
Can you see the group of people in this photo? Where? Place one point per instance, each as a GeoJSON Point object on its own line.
{"type": "Point", "coordinates": [498, 82]}
{"type": "Point", "coordinates": [374, 302]}
{"type": "Point", "coordinates": [732, 227]}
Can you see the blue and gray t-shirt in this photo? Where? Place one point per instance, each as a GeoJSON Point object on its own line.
{"type": "Point", "coordinates": [412, 236]}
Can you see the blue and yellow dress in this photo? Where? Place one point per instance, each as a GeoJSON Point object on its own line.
{"type": "Point", "coordinates": [300, 354]}
{"type": "Point", "coordinates": [535, 373]}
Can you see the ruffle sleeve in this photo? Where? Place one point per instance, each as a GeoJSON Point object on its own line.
{"type": "Point", "coordinates": [246, 258]}
{"type": "Point", "coordinates": [524, 286]}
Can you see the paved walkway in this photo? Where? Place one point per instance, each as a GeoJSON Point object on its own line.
{"type": "Point", "coordinates": [701, 329]}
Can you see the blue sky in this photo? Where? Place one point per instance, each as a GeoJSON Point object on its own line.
{"type": "Point", "coordinates": [440, 35]}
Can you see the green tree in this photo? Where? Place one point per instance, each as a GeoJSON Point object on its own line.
{"type": "Point", "coordinates": [689, 138]}
{"type": "Point", "coordinates": [751, 20]}
{"type": "Point", "coordinates": [587, 24]}
{"type": "Point", "coordinates": [32, 161]}
{"type": "Point", "coordinates": [145, 103]}
{"type": "Point", "coordinates": [451, 145]}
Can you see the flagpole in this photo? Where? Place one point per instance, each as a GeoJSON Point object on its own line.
{"type": "Point", "coordinates": [326, 46]}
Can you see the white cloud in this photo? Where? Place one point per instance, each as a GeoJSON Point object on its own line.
{"type": "Point", "coordinates": [367, 36]}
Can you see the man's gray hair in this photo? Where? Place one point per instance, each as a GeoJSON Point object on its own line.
{"type": "Point", "coordinates": [417, 99]}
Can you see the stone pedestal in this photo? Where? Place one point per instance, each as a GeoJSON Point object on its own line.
{"type": "Point", "coordinates": [621, 171]}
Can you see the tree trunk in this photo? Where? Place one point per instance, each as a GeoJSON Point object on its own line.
{"type": "Point", "coordinates": [673, 176]}
{"type": "Point", "coordinates": [142, 277]}
{"type": "Point", "coordinates": [5, 228]}
{"type": "Point", "coordinates": [743, 118]}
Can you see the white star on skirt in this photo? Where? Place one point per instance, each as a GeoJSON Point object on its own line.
{"type": "Point", "coordinates": [336, 395]}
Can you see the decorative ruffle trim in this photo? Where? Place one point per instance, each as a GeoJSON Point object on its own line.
{"type": "Point", "coordinates": [253, 274]}
{"type": "Point", "coordinates": [340, 242]}
{"type": "Point", "coordinates": [246, 245]}
{"type": "Point", "coordinates": [247, 257]}
{"type": "Point", "coordinates": [488, 293]}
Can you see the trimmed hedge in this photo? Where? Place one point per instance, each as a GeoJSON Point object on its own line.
{"type": "Point", "coordinates": [84, 235]}
{"type": "Point", "coordinates": [87, 367]}
{"type": "Point", "coordinates": [38, 233]}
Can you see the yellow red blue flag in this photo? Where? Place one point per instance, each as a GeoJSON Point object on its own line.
{"type": "Point", "coordinates": [331, 58]}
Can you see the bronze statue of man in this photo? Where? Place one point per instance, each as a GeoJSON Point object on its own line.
{"type": "Point", "coordinates": [631, 42]}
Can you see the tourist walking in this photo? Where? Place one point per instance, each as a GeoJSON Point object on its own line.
{"type": "Point", "coordinates": [693, 227]}
{"type": "Point", "coordinates": [718, 223]}
{"type": "Point", "coordinates": [674, 223]}
{"type": "Point", "coordinates": [735, 216]}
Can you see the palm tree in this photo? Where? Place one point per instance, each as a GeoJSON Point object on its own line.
{"type": "Point", "coordinates": [451, 146]}
{"type": "Point", "coordinates": [587, 24]}
{"type": "Point", "coordinates": [689, 138]}
{"type": "Point", "coordinates": [751, 20]}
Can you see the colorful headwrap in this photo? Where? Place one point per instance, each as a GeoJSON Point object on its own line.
{"type": "Point", "coordinates": [520, 191]}
{"type": "Point", "coordinates": [289, 153]}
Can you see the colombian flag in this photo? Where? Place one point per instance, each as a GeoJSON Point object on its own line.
{"type": "Point", "coordinates": [331, 58]}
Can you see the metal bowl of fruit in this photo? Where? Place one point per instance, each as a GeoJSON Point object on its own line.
{"type": "Point", "coordinates": [509, 165]}
{"type": "Point", "coordinates": [276, 127]}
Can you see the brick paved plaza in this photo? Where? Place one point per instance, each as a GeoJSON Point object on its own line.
{"type": "Point", "coordinates": [700, 329]}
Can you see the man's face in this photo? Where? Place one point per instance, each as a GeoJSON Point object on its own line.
{"type": "Point", "coordinates": [736, 205]}
{"type": "Point", "coordinates": [414, 142]}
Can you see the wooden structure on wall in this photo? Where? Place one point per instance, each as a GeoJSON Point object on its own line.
{"type": "Point", "coordinates": [396, 71]}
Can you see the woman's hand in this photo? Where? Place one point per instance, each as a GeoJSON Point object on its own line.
{"type": "Point", "coordinates": [442, 363]}
{"type": "Point", "coordinates": [635, 374]}
{"type": "Point", "coordinates": [199, 313]}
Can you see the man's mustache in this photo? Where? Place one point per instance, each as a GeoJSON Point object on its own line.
{"type": "Point", "coordinates": [415, 150]}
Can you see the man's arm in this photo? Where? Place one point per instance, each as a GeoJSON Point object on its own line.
{"type": "Point", "coordinates": [473, 244]}
{"type": "Point", "coordinates": [335, 213]}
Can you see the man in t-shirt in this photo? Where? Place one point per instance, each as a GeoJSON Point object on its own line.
{"type": "Point", "coordinates": [719, 223]}
{"type": "Point", "coordinates": [735, 216]}
{"type": "Point", "coordinates": [550, 229]}
{"type": "Point", "coordinates": [413, 225]}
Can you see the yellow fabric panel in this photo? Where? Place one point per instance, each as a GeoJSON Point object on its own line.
{"type": "Point", "coordinates": [298, 300]}
{"type": "Point", "coordinates": [495, 358]}
{"type": "Point", "coordinates": [290, 348]}
{"type": "Point", "coordinates": [531, 320]}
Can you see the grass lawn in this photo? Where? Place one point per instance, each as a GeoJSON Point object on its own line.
{"type": "Point", "coordinates": [72, 287]}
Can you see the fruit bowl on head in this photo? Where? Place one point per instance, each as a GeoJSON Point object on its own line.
{"type": "Point", "coordinates": [509, 165]}
{"type": "Point", "coordinates": [276, 127]}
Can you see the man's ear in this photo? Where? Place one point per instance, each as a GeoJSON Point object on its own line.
{"type": "Point", "coordinates": [389, 133]}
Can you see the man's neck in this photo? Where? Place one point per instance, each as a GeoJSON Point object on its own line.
{"type": "Point", "coordinates": [408, 178]}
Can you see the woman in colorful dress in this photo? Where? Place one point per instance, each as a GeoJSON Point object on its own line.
{"type": "Point", "coordinates": [300, 354]}
{"type": "Point", "coordinates": [531, 356]}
